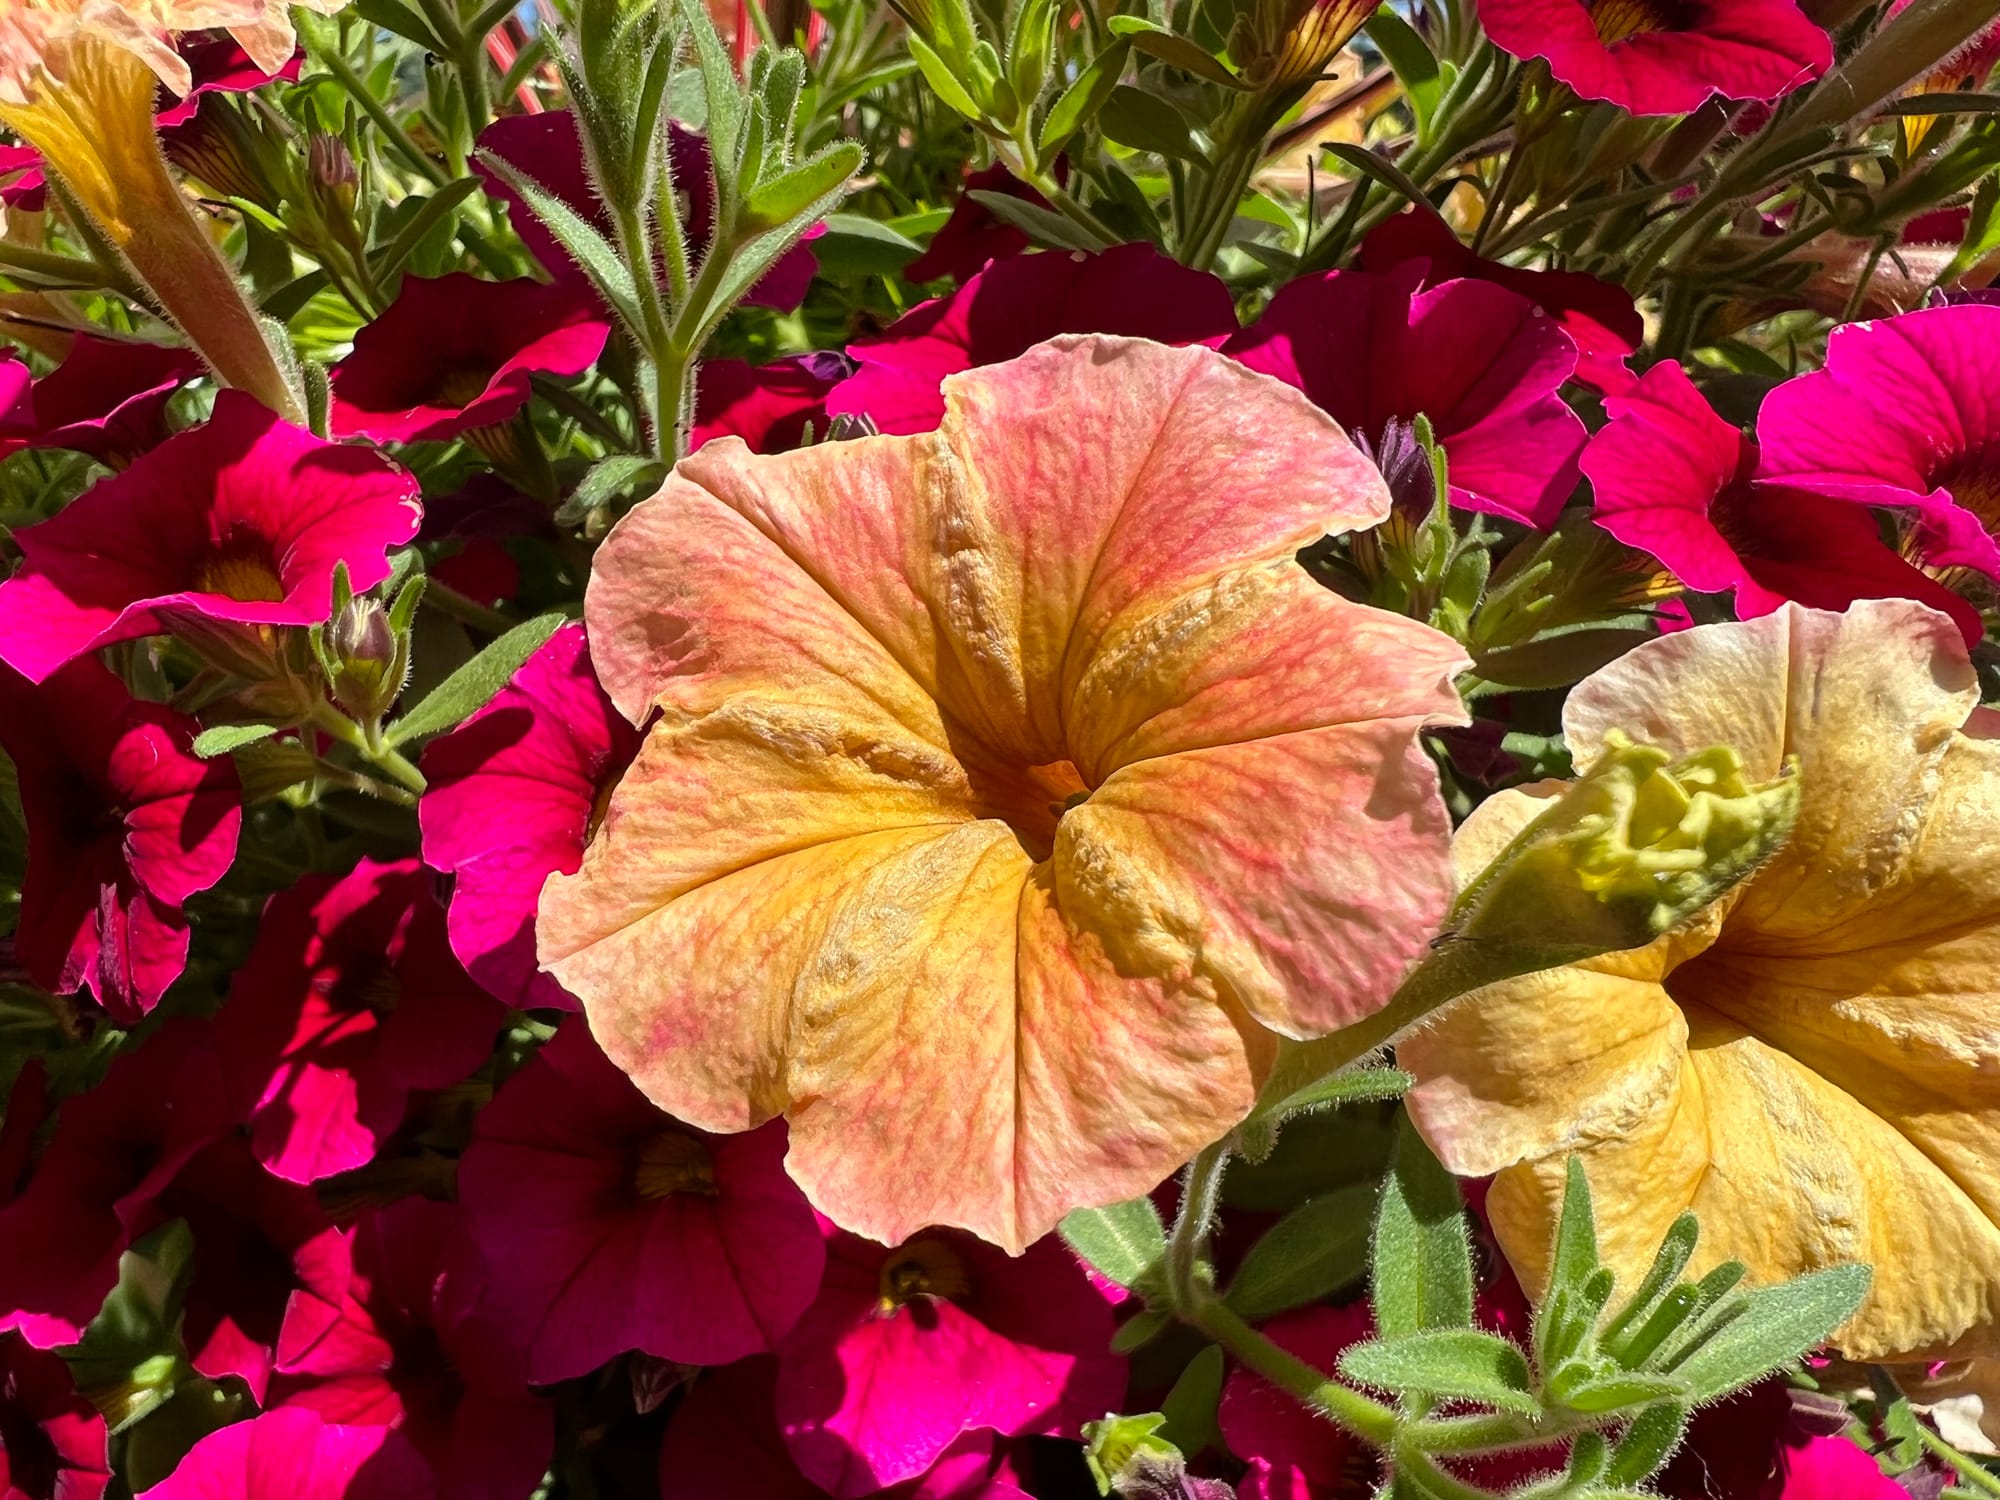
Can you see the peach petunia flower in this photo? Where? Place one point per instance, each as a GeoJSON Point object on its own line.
{"type": "Point", "coordinates": [1013, 788]}
{"type": "Point", "coordinates": [1813, 1063]}
{"type": "Point", "coordinates": [39, 39]}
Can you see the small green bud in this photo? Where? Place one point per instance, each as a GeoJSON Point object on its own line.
{"type": "Point", "coordinates": [370, 658]}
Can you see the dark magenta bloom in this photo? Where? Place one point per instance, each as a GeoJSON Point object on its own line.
{"type": "Point", "coordinates": [53, 1444]}
{"type": "Point", "coordinates": [219, 65]}
{"type": "Point", "coordinates": [1485, 364]}
{"type": "Point", "coordinates": [23, 183]}
{"type": "Point", "coordinates": [1770, 1442]}
{"type": "Point", "coordinates": [768, 406]}
{"type": "Point", "coordinates": [577, 1190]}
{"type": "Point", "coordinates": [125, 824]}
{"type": "Point", "coordinates": [1674, 479]}
{"type": "Point", "coordinates": [974, 235]}
{"type": "Point", "coordinates": [108, 398]}
{"type": "Point", "coordinates": [1664, 57]}
{"type": "Point", "coordinates": [454, 353]}
{"type": "Point", "coordinates": [294, 1454]}
{"type": "Point", "coordinates": [237, 522]}
{"type": "Point", "coordinates": [1015, 304]}
{"type": "Point", "coordinates": [514, 793]}
{"type": "Point", "coordinates": [349, 1001]}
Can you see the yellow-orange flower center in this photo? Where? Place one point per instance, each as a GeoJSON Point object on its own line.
{"type": "Point", "coordinates": [242, 571]}
{"type": "Point", "coordinates": [673, 1162]}
{"type": "Point", "coordinates": [922, 1267]}
{"type": "Point", "coordinates": [1616, 20]}
{"type": "Point", "coordinates": [464, 383]}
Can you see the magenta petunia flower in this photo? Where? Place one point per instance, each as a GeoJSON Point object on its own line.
{"type": "Point", "coordinates": [1293, 1453]}
{"type": "Point", "coordinates": [974, 235]}
{"type": "Point", "coordinates": [577, 1191]}
{"type": "Point", "coordinates": [1902, 415]}
{"type": "Point", "coordinates": [125, 824]}
{"type": "Point", "coordinates": [1600, 318]}
{"type": "Point", "coordinates": [1770, 1442]}
{"type": "Point", "coordinates": [53, 1444]}
{"type": "Point", "coordinates": [108, 398]}
{"type": "Point", "coordinates": [454, 353]}
{"type": "Point", "coordinates": [1483, 363]}
{"type": "Point", "coordinates": [239, 522]}
{"type": "Point", "coordinates": [768, 406]}
{"type": "Point", "coordinates": [24, 185]}
{"type": "Point", "coordinates": [350, 1000]}
{"type": "Point", "coordinates": [387, 1331]}
{"type": "Point", "coordinates": [96, 1189]}
{"type": "Point", "coordinates": [1674, 479]}
{"type": "Point", "coordinates": [293, 1453]}
{"type": "Point", "coordinates": [514, 794]}
{"type": "Point", "coordinates": [1013, 305]}
{"type": "Point", "coordinates": [1664, 57]}
{"type": "Point", "coordinates": [909, 1347]}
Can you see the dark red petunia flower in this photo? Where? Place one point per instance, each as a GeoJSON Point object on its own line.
{"type": "Point", "coordinates": [53, 1443]}
{"type": "Point", "coordinates": [514, 792]}
{"type": "Point", "coordinates": [974, 234]}
{"type": "Point", "coordinates": [349, 1001]}
{"type": "Point", "coordinates": [1674, 479]}
{"type": "Point", "coordinates": [1770, 1442]}
{"type": "Point", "coordinates": [1664, 57]}
{"type": "Point", "coordinates": [577, 1189]}
{"type": "Point", "coordinates": [115, 1151]}
{"type": "Point", "coordinates": [1484, 364]}
{"type": "Point", "coordinates": [454, 353]}
{"type": "Point", "coordinates": [108, 399]}
{"type": "Point", "coordinates": [219, 65]}
{"type": "Point", "coordinates": [293, 1454]}
{"type": "Point", "coordinates": [125, 823]}
{"type": "Point", "coordinates": [768, 406]}
{"type": "Point", "coordinates": [237, 522]}
{"type": "Point", "coordinates": [386, 1331]}
{"type": "Point", "coordinates": [1013, 305]}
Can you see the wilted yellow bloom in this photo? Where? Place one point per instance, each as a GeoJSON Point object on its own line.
{"type": "Point", "coordinates": [1813, 1063]}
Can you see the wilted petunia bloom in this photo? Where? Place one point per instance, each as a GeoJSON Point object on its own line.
{"type": "Point", "coordinates": [1673, 478]}
{"type": "Point", "coordinates": [909, 1347]}
{"type": "Point", "coordinates": [769, 406]}
{"type": "Point", "coordinates": [1484, 364]}
{"type": "Point", "coordinates": [350, 999]}
{"type": "Point", "coordinates": [125, 824]}
{"type": "Point", "coordinates": [1664, 57]}
{"type": "Point", "coordinates": [578, 1191]}
{"type": "Point", "coordinates": [108, 398]}
{"type": "Point", "coordinates": [1805, 1061]}
{"type": "Point", "coordinates": [514, 795]}
{"type": "Point", "coordinates": [1013, 789]}
{"type": "Point", "coordinates": [295, 1454]}
{"type": "Point", "coordinates": [453, 353]}
{"type": "Point", "coordinates": [53, 1444]}
{"type": "Point", "coordinates": [1015, 304]}
{"type": "Point", "coordinates": [238, 522]}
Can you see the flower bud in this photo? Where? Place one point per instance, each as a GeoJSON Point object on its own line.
{"type": "Point", "coordinates": [334, 175]}
{"type": "Point", "coordinates": [369, 659]}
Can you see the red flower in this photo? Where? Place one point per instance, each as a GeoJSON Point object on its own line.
{"type": "Point", "coordinates": [124, 825]}
{"type": "Point", "coordinates": [577, 1191]}
{"type": "Point", "coordinates": [974, 235]}
{"type": "Point", "coordinates": [350, 1000]}
{"type": "Point", "coordinates": [455, 353]}
{"type": "Point", "coordinates": [768, 406]}
{"type": "Point", "coordinates": [291, 1453]}
{"type": "Point", "coordinates": [52, 1441]}
{"type": "Point", "coordinates": [219, 65]}
{"type": "Point", "coordinates": [108, 398]}
{"type": "Point", "coordinates": [239, 521]}
{"type": "Point", "coordinates": [1664, 57]}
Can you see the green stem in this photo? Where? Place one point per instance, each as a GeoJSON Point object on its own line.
{"type": "Point", "coordinates": [385, 122]}
{"type": "Point", "coordinates": [1341, 1404]}
{"type": "Point", "coordinates": [1201, 1192]}
{"type": "Point", "coordinates": [368, 786]}
{"type": "Point", "coordinates": [1969, 1470]}
{"type": "Point", "coordinates": [391, 761]}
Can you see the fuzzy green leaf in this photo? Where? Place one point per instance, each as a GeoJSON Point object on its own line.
{"type": "Point", "coordinates": [1190, 1407]}
{"type": "Point", "coordinates": [473, 685]}
{"type": "Point", "coordinates": [1647, 1442]}
{"type": "Point", "coordinates": [1316, 1249]}
{"type": "Point", "coordinates": [1080, 102]}
{"type": "Point", "coordinates": [224, 738]}
{"type": "Point", "coordinates": [1122, 1241]}
{"type": "Point", "coordinates": [1422, 1264]}
{"type": "Point", "coordinates": [1777, 1325]}
{"type": "Point", "coordinates": [1466, 1364]}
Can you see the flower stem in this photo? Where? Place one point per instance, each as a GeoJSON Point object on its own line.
{"type": "Point", "coordinates": [1201, 1192]}
{"type": "Point", "coordinates": [1341, 1403]}
{"type": "Point", "coordinates": [391, 761]}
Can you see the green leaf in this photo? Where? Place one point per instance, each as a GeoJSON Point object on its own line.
{"type": "Point", "coordinates": [1191, 1405]}
{"type": "Point", "coordinates": [720, 90]}
{"type": "Point", "coordinates": [755, 256]}
{"type": "Point", "coordinates": [1175, 50]}
{"type": "Point", "coordinates": [1122, 1242]}
{"type": "Point", "coordinates": [608, 479]}
{"type": "Point", "coordinates": [1030, 44]}
{"type": "Point", "coordinates": [1778, 1324]}
{"type": "Point", "coordinates": [1041, 225]}
{"type": "Point", "coordinates": [1676, 1248]}
{"type": "Point", "coordinates": [1415, 65]}
{"type": "Point", "coordinates": [224, 738]}
{"type": "Point", "coordinates": [395, 16]}
{"type": "Point", "coordinates": [855, 245]}
{"type": "Point", "coordinates": [468, 690]}
{"type": "Point", "coordinates": [1318, 1248]}
{"type": "Point", "coordinates": [944, 83]}
{"type": "Point", "coordinates": [1379, 167]}
{"type": "Point", "coordinates": [597, 256]}
{"type": "Point", "coordinates": [819, 176]}
{"type": "Point", "coordinates": [1422, 1264]}
{"type": "Point", "coordinates": [1647, 1441]}
{"type": "Point", "coordinates": [1466, 1364]}
{"type": "Point", "coordinates": [1141, 1330]}
{"type": "Point", "coordinates": [1557, 659]}
{"type": "Point", "coordinates": [1613, 1392]}
{"type": "Point", "coordinates": [129, 1358]}
{"type": "Point", "coordinates": [1080, 102]}
{"type": "Point", "coordinates": [1146, 122]}
{"type": "Point", "coordinates": [1352, 1086]}
{"type": "Point", "coordinates": [433, 211]}
{"type": "Point", "coordinates": [1982, 230]}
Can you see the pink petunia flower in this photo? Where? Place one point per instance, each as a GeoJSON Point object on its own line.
{"type": "Point", "coordinates": [1901, 415]}
{"type": "Point", "coordinates": [769, 406]}
{"type": "Point", "coordinates": [96, 1189]}
{"type": "Point", "coordinates": [350, 1000]}
{"type": "Point", "coordinates": [294, 1454]}
{"type": "Point", "coordinates": [108, 399]}
{"type": "Point", "coordinates": [237, 522]}
{"type": "Point", "coordinates": [1674, 479]}
{"type": "Point", "coordinates": [1484, 364]}
{"type": "Point", "coordinates": [577, 1191]}
{"type": "Point", "coordinates": [1769, 1442]}
{"type": "Point", "coordinates": [454, 353]}
{"type": "Point", "coordinates": [912, 1346]}
{"type": "Point", "coordinates": [514, 794]}
{"type": "Point", "coordinates": [24, 185]}
{"type": "Point", "coordinates": [1664, 57]}
{"type": "Point", "coordinates": [973, 236]}
{"type": "Point", "coordinates": [53, 1444]}
{"type": "Point", "coordinates": [125, 824]}
{"type": "Point", "coordinates": [1013, 305]}
{"type": "Point", "coordinates": [387, 1331]}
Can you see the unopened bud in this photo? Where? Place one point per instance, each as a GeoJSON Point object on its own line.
{"type": "Point", "coordinates": [333, 171]}
{"type": "Point", "coordinates": [368, 658]}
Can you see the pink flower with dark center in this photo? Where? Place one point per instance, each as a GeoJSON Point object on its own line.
{"type": "Point", "coordinates": [1664, 57]}
{"type": "Point", "coordinates": [387, 1331]}
{"type": "Point", "coordinates": [52, 1442]}
{"type": "Point", "coordinates": [125, 824]}
{"type": "Point", "coordinates": [974, 235]}
{"type": "Point", "coordinates": [454, 353]}
{"type": "Point", "coordinates": [515, 792]}
{"type": "Point", "coordinates": [577, 1190]}
{"type": "Point", "coordinates": [108, 399]}
{"type": "Point", "coordinates": [1901, 416]}
{"type": "Point", "coordinates": [910, 1347]}
{"type": "Point", "coordinates": [1015, 304]}
{"type": "Point", "coordinates": [292, 1454]}
{"type": "Point", "coordinates": [350, 1000]}
{"type": "Point", "coordinates": [1484, 364]}
{"type": "Point", "coordinates": [238, 522]}
{"type": "Point", "coordinates": [768, 406]}
{"type": "Point", "coordinates": [96, 1189]}
{"type": "Point", "coordinates": [1674, 479]}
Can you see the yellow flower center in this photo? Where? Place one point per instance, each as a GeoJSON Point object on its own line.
{"type": "Point", "coordinates": [673, 1162]}
{"type": "Point", "coordinates": [922, 1267]}
{"type": "Point", "coordinates": [464, 383]}
{"type": "Point", "coordinates": [1616, 20]}
{"type": "Point", "coordinates": [240, 570]}
{"type": "Point", "coordinates": [1973, 483]}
